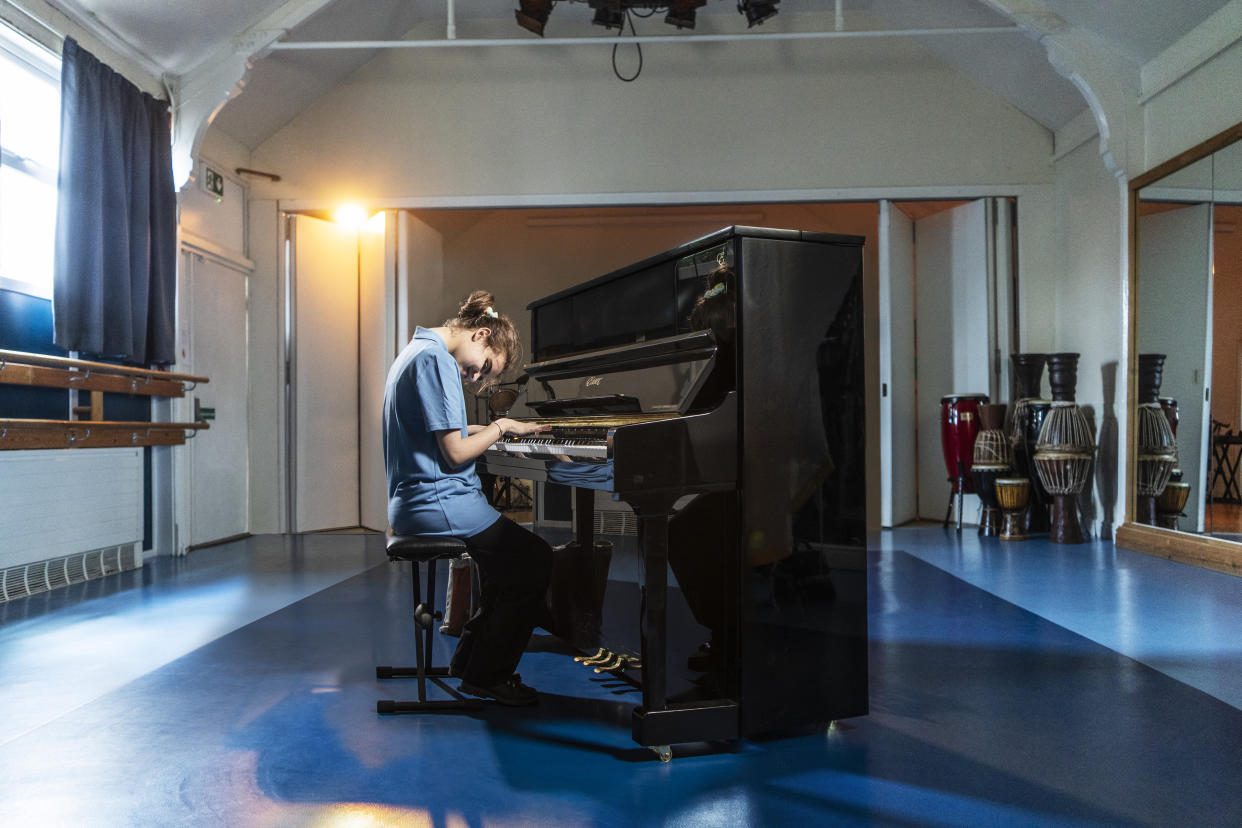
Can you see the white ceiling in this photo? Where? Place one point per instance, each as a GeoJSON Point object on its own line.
{"type": "Point", "coordinates": [179, 36]}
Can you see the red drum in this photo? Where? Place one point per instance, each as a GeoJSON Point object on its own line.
{"type": "Point", "coordinates": [1170, 412]}
{"type": "Point", "coordinates": [959, 425]}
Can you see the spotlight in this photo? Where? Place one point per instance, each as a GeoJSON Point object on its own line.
{"type": "Point", "coordinates": [681, 13]}
{"type": "Point", "coordinates": [609, 14]}
{"type": "Point", "coordinates": [757, 11]}
{"type": "Point", "coordinates": [533, 15]}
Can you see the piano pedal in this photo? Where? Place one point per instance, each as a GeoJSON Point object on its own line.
{"type": "Point", "coordinates": [599, 658]}
{"type": "Point", "coordinates": [614, 663]}
{"type": "Point", "coordinates": [584, 659]}
{"type": "Point", "coordinates": [631, 663]}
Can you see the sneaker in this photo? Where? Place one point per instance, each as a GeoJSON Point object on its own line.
{"type": "Point", "coordinates": [511, 692]}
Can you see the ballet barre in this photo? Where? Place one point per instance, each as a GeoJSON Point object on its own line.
{"type": "Point", "coordinates": [87, 426]}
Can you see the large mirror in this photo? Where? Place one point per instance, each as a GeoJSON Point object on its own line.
{"type": "Point", "coordinates": [1186, 359]}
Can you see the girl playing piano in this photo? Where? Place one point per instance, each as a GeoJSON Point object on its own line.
{"type": "Point", "coordinates": [429, 453]}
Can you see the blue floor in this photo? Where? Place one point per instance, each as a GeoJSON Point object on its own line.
{"type": "Point", "coordinates": [1011, 684]}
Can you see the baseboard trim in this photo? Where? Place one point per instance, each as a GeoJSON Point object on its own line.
{"type": "Point", "coordinates": [1196, 550]}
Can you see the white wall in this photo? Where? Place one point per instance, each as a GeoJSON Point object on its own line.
{"type": "Point", "coordinates": [1205, 102]}
{"type": "Point", "coordinates": [552, 126]}
{"type": "Point", "coordinates": [1090, 313]}
{"type": "Point", "coordinates": [220, 220]}
{"type": "Point", "coordinates": [755, 116]}
{"type": "Point", "coordinates": [522, 255]}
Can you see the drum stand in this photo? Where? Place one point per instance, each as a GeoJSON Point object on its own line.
{"type": "Point", "coordinates": [960, 480]}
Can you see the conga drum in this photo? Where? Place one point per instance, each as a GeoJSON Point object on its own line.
{"type": "Point", "coordinates": [959, 425]}
{"type": "Point", "coordinates": [1169, 406]}
{"type": "Point", "coordinates": [1012, 494]}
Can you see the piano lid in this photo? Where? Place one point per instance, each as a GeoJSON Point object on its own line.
{"type": "Point", "coordinates": [660, 376]}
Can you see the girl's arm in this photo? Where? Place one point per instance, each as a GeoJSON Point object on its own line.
{"type": "Point", "coordinates": [458, 450]}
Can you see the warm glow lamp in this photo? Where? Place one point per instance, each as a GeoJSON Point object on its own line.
{"type": "Point", "coordinates": [350, 215]}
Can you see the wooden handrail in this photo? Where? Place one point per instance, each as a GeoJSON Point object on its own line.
{"type": "Point", "coordinates": [19, 434]}
{"type": "Point", "coordinates": [94, 379]}
{"type": "Point", "coordinates": [19, 373]}
{"type": "Point", "coordinates": [121, 425]}
{"type": "Point", "coordinates": [26, 358]}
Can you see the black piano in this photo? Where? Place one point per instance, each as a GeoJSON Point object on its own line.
{"type": "Point", "coordinates": [741, 453]}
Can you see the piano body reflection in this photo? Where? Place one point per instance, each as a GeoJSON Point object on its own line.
{"type": "Point", "coordinates": [741, 453]}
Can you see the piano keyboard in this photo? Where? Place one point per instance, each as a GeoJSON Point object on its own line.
{"type": "Point", "coordinates": [554, 446]}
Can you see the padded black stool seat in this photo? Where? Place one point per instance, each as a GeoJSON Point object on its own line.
{"type": "Point", "coordinates": [419, 550]}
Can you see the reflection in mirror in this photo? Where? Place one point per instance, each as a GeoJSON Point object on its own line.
{"type": "Point", "coordinates": [1189, 309]}
{"type": "Point", "coordinates": [1224, 516]}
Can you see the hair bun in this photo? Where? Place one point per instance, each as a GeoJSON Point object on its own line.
{"type": "Point", "coordinates": [476, 306]}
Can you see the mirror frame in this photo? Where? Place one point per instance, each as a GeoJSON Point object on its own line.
{"type": "Point", "coordinates": [1198, 550]}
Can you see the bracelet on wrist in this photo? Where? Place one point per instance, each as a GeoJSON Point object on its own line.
{"type": "Point", "coordinates": [499, 428]}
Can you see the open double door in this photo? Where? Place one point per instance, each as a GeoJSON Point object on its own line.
{"type": "Point", "coordinates": [340, 340]}
{"type": "Point", "coordinates": [946, 327]}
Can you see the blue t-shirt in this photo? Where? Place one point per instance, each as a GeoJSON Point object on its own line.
{"type": "Point", "coordinates": [423, 395]}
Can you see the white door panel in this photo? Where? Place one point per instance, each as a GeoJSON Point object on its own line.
{"type": "Point", "coordinates": [217, 476]}
{"type": "Point", "coordinates": [377, 293]}
{"type": "Point", "coordinates": [898, 447]}
{"type": "Point", "coordinates": [952, 301]}
{"type": "Point", "coordinates": [325, 374]}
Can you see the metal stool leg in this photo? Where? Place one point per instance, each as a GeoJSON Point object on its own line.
{"type": "Point", "coordinates": [425, 618]}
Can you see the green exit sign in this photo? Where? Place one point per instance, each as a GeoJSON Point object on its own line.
{"type": "Point", "coordinates": [213, 182]}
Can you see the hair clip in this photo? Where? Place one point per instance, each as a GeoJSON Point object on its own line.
{"type": "Point", "coordinates": [715, 290]}
{"type": "Point", "coordinates": [491, 313]}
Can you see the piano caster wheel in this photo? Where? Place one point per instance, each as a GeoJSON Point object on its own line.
{"type": "Point", "coordinates": [663, 751]}
{"type": "Point", "coordinates": [584, 659]}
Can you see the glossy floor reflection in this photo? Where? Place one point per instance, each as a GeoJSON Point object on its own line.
{"type": "Point", "coordinates": [1025, 684]}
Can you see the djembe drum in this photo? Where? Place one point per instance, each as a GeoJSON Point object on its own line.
{"type": "Point", "coordinates": [991, 458]}
{"type": "Point", "coordinates": [1012, 494]}
{"type": "Point", "coordinates": [1064, 450]}
{"type": "Point", "coordinates": [1169, 406]}
{"type": "Point", "coordinates": [959, 426]}
{"type": "Point", "coordinates": [1156, 448]}
{"type": "Point", "coordinates": [1035, 519]}
{"type": "Point", "coordinates": [1025, 417]}
{"type": "Point", "coordinates": [1028, 373]}
{"type": "Point", "coordinates": [1170, 503]}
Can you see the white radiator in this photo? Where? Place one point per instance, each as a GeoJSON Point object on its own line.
{"type": "Point", "coordinates": [68, 516]}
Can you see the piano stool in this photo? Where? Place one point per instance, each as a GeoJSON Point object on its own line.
{"type": "Point", "coordinates": [419, 550]}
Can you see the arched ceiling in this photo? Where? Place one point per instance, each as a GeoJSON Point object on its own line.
{"type": "Point", "coordinates": [183, 37]}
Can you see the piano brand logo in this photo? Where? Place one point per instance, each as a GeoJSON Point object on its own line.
{"type": "Point", "coordinates": [591, 381]}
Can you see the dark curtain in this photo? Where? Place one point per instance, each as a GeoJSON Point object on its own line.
{"type": "Point", "coordinates": [115, 268]}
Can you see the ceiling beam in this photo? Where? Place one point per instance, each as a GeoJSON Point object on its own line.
{"type": "Point", "coordinates": [645, 41]}
{"type": "Point", "coordinates": [1192, 50]}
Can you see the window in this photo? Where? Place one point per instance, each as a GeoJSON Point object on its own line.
{"type": "Point", "coordinates": [29, 150]}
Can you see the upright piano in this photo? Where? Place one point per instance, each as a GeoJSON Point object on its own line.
{"type": "Point", "coordinates": [741, 453]}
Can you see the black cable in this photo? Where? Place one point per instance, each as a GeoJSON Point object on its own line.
{"type": "Point", "coordinates": [637, 46]}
